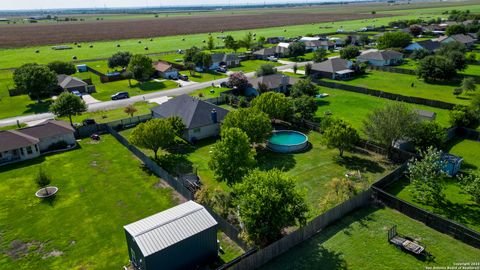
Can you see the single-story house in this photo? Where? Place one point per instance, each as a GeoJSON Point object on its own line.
{"type": "Point", "coordinates": [334, 68]}
{"type": "Point", "coordinates": [381, 58]}
{"type": "Point", "coordinates": [31, 142]}
{"type": "Point", "coordinates": [305, 39]}
{"type": "Point", "coordinates": [222, 59]}
{"type": "Point", "coordinates": [274, 40]}
{"type": "Point", "coordinates": [466, 40]}
{"type": "Point", "coordinates": [274, 82]}
{"type": "Point", "coordinates": [319, 44]}
{"type": "Point", "coordinates": [429, 45]}
{"type": "Point", "coordinates": [165, 70]}
{"type": "Point", "coordinates": [338, 41]}
{"type": "Point", "coordinates": [425, 115]}
{"type": "Point", "coordinates": [201, 119]}
{"type": "Point", "coordinates": [275, 51]}
{"type": "Point", "coordinates": [452, 164]}
{"type": "Point", "coordinates": [182, 237]}
{"type": "Point", "coordinates": [69, 83]}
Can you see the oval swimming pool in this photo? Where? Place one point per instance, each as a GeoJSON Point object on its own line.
{"type": "Point", "coordinates": [287, 141]}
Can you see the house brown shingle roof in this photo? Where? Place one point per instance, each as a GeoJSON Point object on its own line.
{"type": "Point", "coordinates": [381, 55]}
{"type": "Point", "coordinates": [12, 139]}
{"type": "Point", "coordinates": [332, 65]}
{"type": "Point", "coordinates": [48, 129]}
{"type": "Point", "coordinates": [162, 66]}
{"type": "Point", "coordinates": [66, 81]}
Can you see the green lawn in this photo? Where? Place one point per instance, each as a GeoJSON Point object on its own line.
{"type": "Point", "coordinates": [402, 84]}
{"type": "Point", "coordinates": [208, 93]}
{"type": "Point", "coordinates": [101, 188]}
{"type": "Point", "coordinates": [252, 65]}
{"type": "Point", "coordinates": [359, 241]}
{"type": "Point", "coordinates": [470, 152]}
{"type": "Point", "coordinates": [312, 169]}
{"type": "Point", "coordinates": [354, 107]}
{"type": "Point", "coordinates": [472, 69]}
{"type": "Point", "coordinates": [105, 90]}
{"type": "Point", "coordinates": [113, 115]}
{"type": "Point", "coordinates": [204, 76]}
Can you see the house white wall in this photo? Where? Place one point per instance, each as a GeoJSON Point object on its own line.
{"type": "Point", "coordinates": [20, 154]}
{"type": "Point", "coordinates": [203, 132]}
{"type": "Point", "coordinates": [173, 73]}
{"type": "Point", "coordinates": [46, 142]}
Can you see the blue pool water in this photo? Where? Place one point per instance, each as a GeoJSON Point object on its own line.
{"type": "Point", "coordinates": [287, 141]}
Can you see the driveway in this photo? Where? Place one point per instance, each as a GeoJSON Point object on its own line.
{"type": "Point", "coordinates": [89, 99]}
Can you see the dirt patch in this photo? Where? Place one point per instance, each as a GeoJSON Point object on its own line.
{"type": "Point", "coordinates": [53, 253]}
{"type": "Point", "coordinates": [161, 184]}
{"type": "Point", "coordinates": [44, 34]}
{"type": "Point", "coordinates": [19, 249]}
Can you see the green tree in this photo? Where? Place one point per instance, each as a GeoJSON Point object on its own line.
{"type": "Point", "coordinates": [177, 125]}
{"type": "Point", "coordinates": [468, 84]}
{"type": "Point", "coordinates": [391, 123]}
{"type": "Point", "coordinates": [203, 59]}
{"type": "Point", "coordinates": [340, 135]}
{"type": "Point", "coordinates": [36, 80]}
{"type": "Point", "coordinates": [247, 41]}
{"type": "Point", "coordinates": [141, 67]}
{"type": "Point", "coordinates": [364, 40]}
{"type": "Point", "coordinates": [296, 49]}
{"type": "Point", "coordinates": [154, 135]}
{"type": "Point", "coordinates": [471, 185]}
{"type": "Point", "coordinates": [190, 54]}
{"type": "Point", "coordinates": [61, 67]}
{"type": "Point", "coordinates": [266, 69]}
{"type": "Point", "coordinates": [217, 199]}
{"type": "Point", "coordinates": [190, 66]}
{"type": "Point", "coordinates": [349, 52]}
{"type": "Point", "coordinates": [429, 134]}
{"type": "Point", "coordinates": [231, 156]}
{"type": "Point", "coordinates": [462, 116]}
{"type": "Point", "coordinates": [319, 55]}
{"type": "Point", "coordinates": [43, 180]}
{"type": "Point", "coordinates": [339, 190]}
{"type": "Point", "coordinates": [238, 81]}
{"type": "Point", "coordinates": [130, 110]}
{"type": "Point", "coordinates": [210, 43]}
{"type": "Point", "coordinates": [267, 203]}
{"type": "Point", "coordinates": [394, 40]}
{"type": "Point", "coordinates": [254, 123]}
{"type": "Point", "coordinates": [434, 67]}
{"type": "Point", "coordinates": [275, 105]}
{"type": "Point", "coordinates": [308, 69]}
{"type": "Point", "coordinates": [231, 43]}
{"type": "Point", "coordinates": [303, 87]}
{"type": "Point", "coordinates": [68, 104]}
{"type": "Point", "coordinates": [455, 29]}
{"type": "Point", "coordinates": [304, 107]}
{"type": "Point", "coordinates": [419, 54]}
{"type": "Point", "coordinates": [119, 59]}
{"type": "Point", "coordinates": [426, 176]}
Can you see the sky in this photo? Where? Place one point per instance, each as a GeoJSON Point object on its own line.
{"type": "Point", "coordinates": [62, 4]}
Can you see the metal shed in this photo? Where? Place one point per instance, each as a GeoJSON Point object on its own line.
{"type": "Point", "coordinates": [181, 237]}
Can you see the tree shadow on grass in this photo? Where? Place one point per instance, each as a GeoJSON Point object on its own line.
{"type": "Point", "coordinates": [38, 107]}
{"type": "Point", "coordinates": [267, 160]}
{"type": "Point", "coordinates": [360, 164]}
{"type": "Point", "coordinates": [175, 163]}
{"type": "Point", "coordinates": [467, 214]}
{"type": "Point", "coordinates": [150, 86]}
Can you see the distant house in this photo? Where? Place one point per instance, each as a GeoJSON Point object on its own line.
{"type": "Point", "coordinates": [426, 115]}
{"type": "Point", "coordinates": [165, 70]}
{"type": "Point", "coordinates": [69, 83]}
{"type": "Point", "coordinates": [182, 237]}
{"type": "Point", "coordinates": [201, 119]}
{"type": "Point", "coordinates": [274, 82]}
{"type": "Point", "coordinates": [334, 68]}
{"type": "Point", "coordinates": [381, 58]}
{"type": "Point", "coordinates": [274, 40]}
{"type": "Point", "coordinates": [222, 59]}
{"type": "Point", "coordinates": [452, 164]}
{"type": "Point", "coordinates": [30, 142]}
{"type": "Point", "coordinates": [466, 40]}
{"type": "Point", "coordinates": [319, 44]}
{"type": "Point", "coordinates": [428, 45]}
{"type": "Point", "coordinates": [276, 51]}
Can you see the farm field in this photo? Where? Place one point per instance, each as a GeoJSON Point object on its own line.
{"type": "Point", "coordinates": [359, 241]}
{"type": "Point", "coordinates": [355, 107]}
{"type": "Point", "coordinates": [401, 84]}
{"type": "Point", "coordinates": [102, 187]}
{"type": "Point", "coordinates": [312, 169]}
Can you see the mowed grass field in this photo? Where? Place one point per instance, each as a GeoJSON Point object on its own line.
{"type": "Point", "coordinates": [10, 58]}
{"type": "Point", "coordinates": [359, 241]}
{"type": "Point", "coordinates": [355, 107]}
{"type": "Point", "coordinates": [402, 84]}
{"type": "Point", "coordinates": [102, 187]}
{"type": "Point", "coordinates": [312, 169]}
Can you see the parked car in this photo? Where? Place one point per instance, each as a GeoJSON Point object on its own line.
{"type": "Point", "coordinates": [183, 77]}
{"type": "Point", "coordinates": [88, 121]}
{"type": "Point", "coordinates": [225, 85]}
{"type": "Point", "coordinates": [272, 58]}
{"type": "Point", "coordinates": [120, 95]}
{"type": "Point", "coordinates": [222, 69]}
{"type": "Point", "coordinates": [77, 93]}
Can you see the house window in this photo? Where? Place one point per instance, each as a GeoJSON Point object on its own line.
{"type": "Point", "coordinates": [21, 151]}
{"type": "Point", "coordinates": [196, 130]}
{"type": "Point", "coordinates": [29, 150]}
{"type": "Point", "coordinates": [36, 148]}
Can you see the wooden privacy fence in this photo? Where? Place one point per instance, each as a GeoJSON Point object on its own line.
{"type": "Point", "coordinates": [264, 255]}
{"type": "Point", "coordinates": [433, 221]}
{"type": "Point", "coordinates": [392, 96]}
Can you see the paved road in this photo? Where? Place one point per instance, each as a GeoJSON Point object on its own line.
{"type": "Point", "coordinates": [109, 105]}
